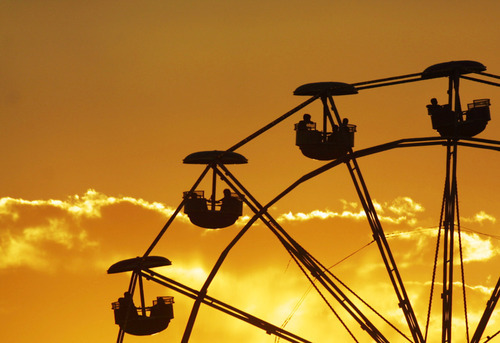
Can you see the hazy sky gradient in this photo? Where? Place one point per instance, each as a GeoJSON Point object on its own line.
{"type": "Point", "coordinates": [101, 100]}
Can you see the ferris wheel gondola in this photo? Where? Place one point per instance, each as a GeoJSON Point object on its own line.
{"type": "Point", "coordinates": [449, 119]}
{"type": "Point", "coordinates": [210, 213]}
{"type": "Point", "coordinates": [336, 137]}
{"type": "Point", "coordinates": [143, 320]}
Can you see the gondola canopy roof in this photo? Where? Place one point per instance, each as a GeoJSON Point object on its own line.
{"type": "Point", "coordinates": [138, 263]}
{"type": "Point", "coordinates": [215, 156]}
{"type": "Point", "coordinates": [450, 68]}
{"type": "Point", "coordinates": [325, 88]}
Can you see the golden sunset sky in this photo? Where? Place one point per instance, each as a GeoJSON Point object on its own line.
{"type": "Point", "coordinates": [100, 101]}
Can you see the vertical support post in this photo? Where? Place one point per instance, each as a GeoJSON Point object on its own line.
{"type": "Point", "coordinates": [141, 292]}
{"type": "Point", "coordinates": [450, 199]}
{"type": "Point", "coordinates": [214, 187]}
{"type": "Point", "coordinates": [326, 115]}
{"type": "Point", "coordinates": [448, 239]}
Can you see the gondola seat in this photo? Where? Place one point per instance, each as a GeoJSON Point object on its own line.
{"type": "Point", "coordinates": [134, 322]}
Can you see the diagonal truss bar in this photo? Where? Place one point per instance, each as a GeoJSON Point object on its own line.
{"type": "Point", "coordinates": [389, 83]}
{"type": "Point", "coordinates": [489, 338]}
{"type": "Point", "coordinates": [491, 83]}
{"type": "Point", "coordinates": [273, 123]}
{"type": "Point", "coordinates": [385, 251]}
{"type": "Point", "coordinates": [299, 253]}
{"type": "Point", "coordinates": [176, 212]}
{"type": "Point", "coordinates": [490, 307]}
{"type": "Point", "coordinates": [479, 145]}
{"type": "Point", "coordinates": [372, 82]}
{"type": "Point", "coordinates": [221, 306]}
{"type": "Point", "coordinates": [208, 281]}
{"type": "Point", "coordinates": [489, 75]}
{"type": "Point", "coordinates": [383, 245]}
{"type": "Point", "coordinates": [307, 261]}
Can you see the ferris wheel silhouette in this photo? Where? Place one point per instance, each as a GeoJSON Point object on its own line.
{"type": "Point", "coordinates": [332, 141]}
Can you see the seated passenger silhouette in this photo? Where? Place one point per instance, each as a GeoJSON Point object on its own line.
{"type": "Point", "coordinates": [126, 309]}
{"type": "Point", "coordinates": [160, 309]}
{"type": "Point", "coordinates": [344, 130]}
{"type": "Point", "coordinates": [305, 123]}
{"type": "Point", "coordinates": [229, 204]}
{"type": "Point", "coordinates": [434, 107]}
{"type": "Point", "coordinates": [345, 122]}
{"type": "Point", "coordinates": [196, 203]}
{"type": "Point", "coordinates": [441, 115]}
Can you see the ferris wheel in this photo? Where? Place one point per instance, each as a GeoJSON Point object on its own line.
{"type": "Point", "coordinates": [330, 140]}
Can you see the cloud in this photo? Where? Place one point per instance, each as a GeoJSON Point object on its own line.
{"type": "Point", "coordinates": [400, 210]}
{"type": "Point", "coordinates": [36, 233]}
{"type": "Point", "coordinates": [318, 214]}
{"type": "Point", "coordinates": [31, 245]}
{"type": "Point", "coordinates": [51, 234]}
{"type": "Point", "coordinates": [475, 247]}
{"type": "Point", "coordinates": [480, 218]}
{"type": "Point", "coordinates": [88, 205]}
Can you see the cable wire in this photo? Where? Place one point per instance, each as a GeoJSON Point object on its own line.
{"type": "Point", "coordinates": [436, 253]}
{"type": "Point", "coordinates": [462, 266]}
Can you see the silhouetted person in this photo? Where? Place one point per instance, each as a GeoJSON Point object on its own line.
{"type": "Point", "coordinates": [442, 117]}
{"type": "Point", "coordinates": [228, 202]}
{"type": "Point", "coordinates": [305, 123]}
{"type": "Point", "coordinates": [195, 204]}
{"type": "Point", "coordinates": [160, 309]}
{"type": "Point", "coordinates": [126, 309]}
{"type": "Point", "coordinates": [344, 127]}
{"type": "Point", "coordinates": [227, 197]}
{"type": "Point", "coordinates": [129, 302]}
{"type": "Point", "coordinates": [434, 107]}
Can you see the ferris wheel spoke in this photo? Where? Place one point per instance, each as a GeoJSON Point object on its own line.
{"type": "Point", "coordinates": [174, 215]}
{"type": "Point", "coordinates": [490, 307]}
{"type": "Point", "coordinates": [273, 123]}
{"type": "Point", "coordinates": [384, 249]}
{"type": "Point", "coordinates": [121, 333]}
{"type": "Point", "coordinates": [491, 83]}
{"type": "Point", "coordinates": [221, 306]}
{"type": "Point", "coordinates": [479, 145]}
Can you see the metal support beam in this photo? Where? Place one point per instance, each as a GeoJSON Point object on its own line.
{"type": "Point", "coordinates": [304, 260]}
{"type": "Point", "coordinates": [490, 307]}
{"type": "Point", "coordinates": [221, 306]}
{"type": "Point", "coordinates": [448, 225]}
{"type": "Point", "coordinates": [383, 245]}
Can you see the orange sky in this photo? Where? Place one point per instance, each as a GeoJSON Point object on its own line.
{"type": "Point", "coordinates": [100, 102]}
